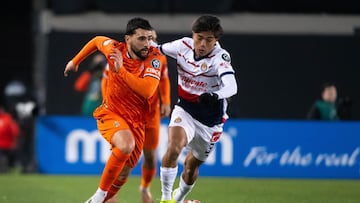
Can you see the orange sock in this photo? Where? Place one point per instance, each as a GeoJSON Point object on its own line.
{"type": "Point", "coordinates": [115, 187]}
{"type": "Point", "coordinates": [147, 176]}
{"type": "Point", "coordinates": [112, 169]}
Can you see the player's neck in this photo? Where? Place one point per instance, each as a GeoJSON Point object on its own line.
{"type": "Point", "coordinates": [132, 55]}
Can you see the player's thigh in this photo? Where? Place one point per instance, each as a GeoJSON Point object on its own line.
{"type": "Point", "coordinates": [109, 124]}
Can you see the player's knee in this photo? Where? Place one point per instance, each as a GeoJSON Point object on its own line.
{"type": "Point", "coordinates": [174, 150]}
{"type": "Point", "coordinates": [124, 141]}
{"type": "Point", "coordinates": [127, 147]}
{"type": "Point", "coordinates": [149, 159]}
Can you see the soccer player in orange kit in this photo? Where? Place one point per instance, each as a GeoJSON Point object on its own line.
{"type": "Point", "coordinates": [133, 77]}
{"type": "Point", "coordinates": [159, 107]}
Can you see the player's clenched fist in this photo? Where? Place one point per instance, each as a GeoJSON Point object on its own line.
{"type": "Point", "coordinates": [70, 67]}
{"type": "Point", "coordinates": [209, 99]}
{"type": "Point", "coordinates": [117, 58]}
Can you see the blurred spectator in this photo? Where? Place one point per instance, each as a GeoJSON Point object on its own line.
{"type": "Point", "coordinates": [23, 106]}
{"type": "Point", "coordinates": [325, 108]}
{"type": "Point", "coordinates": [90, 83]}
{"type": "Point", "coordinates": [344, 108]}
{"type": "Point", "coordinates": [9, 132]}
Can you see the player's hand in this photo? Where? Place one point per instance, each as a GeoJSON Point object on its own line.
{"type": "Point", "coordinates": [116, 56]}
{"type": "Point", "coordinates": [70, 67]}
{"type": "Point", "coordinates": [165, 110]}
{"type": "Point", "coordinates": [209, 99]}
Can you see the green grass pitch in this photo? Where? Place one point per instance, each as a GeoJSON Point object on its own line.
{"type": "Point", "coordinates": [16, 188]}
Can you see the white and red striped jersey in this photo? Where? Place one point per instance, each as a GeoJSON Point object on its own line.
{"type": "Point", "coordinates": [212, 73]}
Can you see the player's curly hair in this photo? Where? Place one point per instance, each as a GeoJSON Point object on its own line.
{"type": "Point", "coordinates": [136, 23]}
{"type": "Point", "coordinates": [207, 23]}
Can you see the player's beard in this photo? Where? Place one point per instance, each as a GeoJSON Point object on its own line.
{"type": "Point", "coordinates": [139, 54]}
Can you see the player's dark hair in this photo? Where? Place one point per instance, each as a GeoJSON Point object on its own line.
{"type": "Point", "coordinates": [207, 23]}
{"type": "Point", "coordinates": [136, 23]}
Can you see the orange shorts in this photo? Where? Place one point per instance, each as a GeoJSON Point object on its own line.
{"type": "Point", "coordinates": [152, 128]}
{"type": "Point", "coordinates": [109, 123]}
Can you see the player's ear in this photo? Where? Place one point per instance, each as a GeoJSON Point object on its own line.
{"type": "Point", "coordinates": [127, 38]}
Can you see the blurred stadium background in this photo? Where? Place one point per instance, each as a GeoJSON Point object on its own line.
{"type": "Point", "coordinates": [282, 52]}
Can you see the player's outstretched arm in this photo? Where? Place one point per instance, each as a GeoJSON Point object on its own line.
{"type": "Point", "coordinates": [96, 43]}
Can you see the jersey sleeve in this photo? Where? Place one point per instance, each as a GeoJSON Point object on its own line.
{"type": "Point", "coordinates": [223, 62]}
{"type": "Point", "coordinates": [98, 43]}
{"type": "Point", "coordinates": [171, 48]}
{"type": "Point", "coordinates": [226, 74]}
{"type": "Point", "coordinates": [149, 82]}
{"type": "Point", "coordinates": [145, 86]}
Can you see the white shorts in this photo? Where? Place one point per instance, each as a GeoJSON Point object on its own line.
{"type": "Point", "coordinates": [201, 139]}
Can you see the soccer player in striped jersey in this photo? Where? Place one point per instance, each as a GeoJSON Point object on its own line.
{"type": "Point", "coordinates": [206, 79]}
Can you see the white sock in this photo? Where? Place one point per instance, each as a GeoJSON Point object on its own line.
{"type": "Point", "coordinates": [183, 191]}
{"type": "Point", "coordinates": [167, 178]}
{"type": "Point", "coordinates": [100, 194]}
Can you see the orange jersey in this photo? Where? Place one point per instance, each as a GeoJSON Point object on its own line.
{"type": "Point", "coordinates": [128, 90]}
{"type": "Point", "coordinates": [162, 94]}
{"type": "Point", "coordinates": [152, 123]}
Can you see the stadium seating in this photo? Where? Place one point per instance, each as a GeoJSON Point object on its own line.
{"type": "Point", "coordinates": [131, 6]}
{"type": "Point", "coordinates": [69, 6]}
{"type": "Point", "coordinates": [203, 6]}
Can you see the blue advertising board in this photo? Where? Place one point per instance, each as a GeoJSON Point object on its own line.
{"type": "Point", "coordinates": [247, 148]}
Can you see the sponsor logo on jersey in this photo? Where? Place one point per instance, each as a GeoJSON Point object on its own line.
{"type": "Point", "coordinates": [155, 63]}
{"type": "Point", "coordinates": [153, 71]}
{"type": "Point", "coordinates": [226, 57]}
{"type": "Point", "coordinates": [187, 81]}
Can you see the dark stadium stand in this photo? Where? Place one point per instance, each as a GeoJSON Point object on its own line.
{"type": "Point", "coordinates": [205, 6]}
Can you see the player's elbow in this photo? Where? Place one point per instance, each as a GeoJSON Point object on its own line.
{"type": "Point", "coordinates": [146, 90]}
{"type": "Point", "coordinates": [231, 91]}
{"type": "Point", "coordinates": [149, 93]}
{"type": "Point", "coordinates": [234, 90]}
